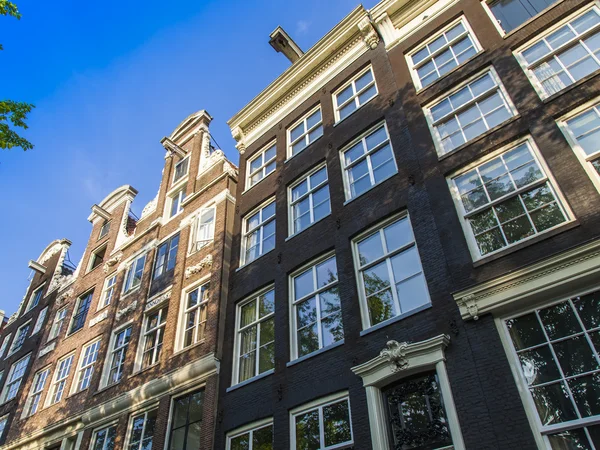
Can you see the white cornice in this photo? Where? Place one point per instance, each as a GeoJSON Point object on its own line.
{"type": "Point", "coordinates": [560, 275]}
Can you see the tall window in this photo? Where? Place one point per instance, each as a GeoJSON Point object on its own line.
{"type": "Point", "coordinates": [259, 233]}
{"type": "Point", "coordinates": [564, 56]}
{"type": "Point", "coordinates": [63, 368]}
{"type": "Point", "coordinates": [80, 312]}
{"type": "Point", "coordinates": [142, 430]}
{"type": "Point", "coordinates": [186, 422]}
{"type": "Point", "coordinates": [255, 337]}
{"type": "Point", "coordinates": [109, 290]}
{"type": "Point", "coordinates": [443, 52]}
{"type": "Point", "coordinates": [258, 437]}
{"type": "Point", "coordinates": [57, 323]}
{"type": "Point", "coordinates": [305, 132]}
{"type": "Point", "coordinates": [104, 439]}
{"type": "Point", "coordinates": [194, 315]}
{"type": "Point", "coordinates": [261, 165]}
{"type": "Point", "coordinates": [506, 200]}
{"type": "Point", "coordinates": [309, 200]}
{"type": "Point", "coordinates": [416, 413]}
{"type": "Point", "coordinates": [35, 298]}
{"type": "Point", "coordinates": [321, 425]}
{"type": "Point", "coordinates": [166, 256]}
{"type": "Point", "coordinates": [557, 349]}
{"type": "Point", "coordinates": [135, 271]}
{"type": "Point", "coordinates": [354, 94]}
{"type": "Point", "coordinates": [87, 360]}
{"type": "Point", "coordinates": [105, 229]}
{"type": "Point", "coordinates": [14, 378]}
{"type": "Point", "coordinates": [368, 161]}
{"type": "Point", "coordinates": [117, 355]}
{"type": "Point", "coordinates": [203, 232]}
{"type": "Point", "coordinates": [468, 112]}
{"type": "Point", "coordinates": [317, 315]}
{"type": "Point", "coordinates": [40, 320]}
{"type": "Point", "coordinates": [512, 13]}
{"type": "Point", "coordinates": [20, 337]}
{"type": "Point", "coordinates": [390, 275]}
{"type": "Point", "coordinates": [181, 169]}
{"type": "Point", "coordinates": [37, 388]}
{"type": "Point", "coordinates": [176, 200]}
{"type": "Point", "coordinates": [154, 333]}
{"type": "Point", "coordinates": [5, 342]}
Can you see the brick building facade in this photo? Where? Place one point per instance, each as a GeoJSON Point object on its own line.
{"type": "Point", "coordinates": [410, 260]}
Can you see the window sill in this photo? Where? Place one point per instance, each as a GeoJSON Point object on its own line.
{"type": "Point", "coordinates": [357, 109]}
{"type": "Point", "coordinates": [527, 242]}
{"type": "Point", "coordinates": [301, 231]}
{"type": "Point", "coordinates": [315, 353]}
{"type": "Point", "coordinates": [371, 188]}
{"type": "Point", "coordinates": [183, 350]}
{"type": "Point", "coordinates": [422, 90]}
{"type": "Point", "coordinates": [387, 322]}
{"type": "Point", "coordinates": [250, 380]}
{"type": "Point", "coordinates": [289, 158]}
{"type": "Point", "coordinates": [261, 180]}
{"type": "Point", "coordinates": [254, 260]}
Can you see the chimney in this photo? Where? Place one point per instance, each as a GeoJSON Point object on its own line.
{"type": "Point", "coordinates": [283, 43]}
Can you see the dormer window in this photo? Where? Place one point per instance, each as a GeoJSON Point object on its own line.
{"type": "Point", "coordinates": [181, 169]}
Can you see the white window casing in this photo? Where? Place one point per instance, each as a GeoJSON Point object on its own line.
{"type": "Point", "coordinates": [354, 94]}
{"type": "Point", "coordinates": [262, 164]}
{"type": "Point", "coordinates": [258, 232]}
{"type": "Point", "coordinates": [309, 200]}
{"type": "Point", "coordinates": [304, 132]}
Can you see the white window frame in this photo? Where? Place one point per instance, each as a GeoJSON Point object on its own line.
{"type": "Point", "coordinates": [39, 322]}
{"type": "Point", "coordinates": [584, 159]}
{"type": "Point", "coordinates": [238, 334]}
{"type": "Point", "coordinates": [249, 429]}
{"type": "Point", "coordinates": [57, 379]}
{"type": "Point", "coordinates": [561, 201]}
{"type": "Point", "coordinates": [12, 350]}
{"type": "Point", "coordinates": [83, 366]}
{"type": "Point", "coordinates": [527, 68]}
{"type": "Point", "coordinates": [8, 382]}
{"type": "Point", "coordinates": [366, 157]}
{"type": "Point", "coordinates": [130, 272]}
{"type": "Point", "coordinates": [485, 5]}
{"type": "Point", "coordinates": [515, 366]}
{"type": "Point", "coordinates": [4, 346]}
{"type": "Point", "coordinates": [355, 93]}
{"type": "Point", "coordinates": [108, 291]}
{"type": "Point", "coordinates": [32, 297]}
{"type": "Point", "coordinates": [134, 415]}
{"type": "Point", "coordinates": [197, 244]}
{"type": "Point", "coordinates": [159, 329]}
{"type": "Point", "coordinates": [387, 256]}
{"type": "Point", "coordinates": [312, 265]}
{"type": "Point", "coordinates": [80, 298]}
{"type": "Point", "coordinates": [110, 351]}
{"type": "Point", "coordinates": [263, 166]}
{"type": "Point", "coordinates": [309, 194]}
{"type": "Point", "coordinates": [187, 170]}
{"type": "Point", "coordinates": [106, 427]}
{"type": "Point", "coordinates": [260, 227]}
{"type": "Point", "coordinates": [413, 67]}
{"type": "Point", "coordinates": [508, 103]}
{"type": "Point", "coordinates": [306, 135]}
{"type": "Point", "coordinates": [183, 310]}
{"type": "Point", "coordinates": [37, 390]}
{"type": "Point", "coordinates": [319, 404]}
{"type": "Point", "coordinates": [57, 323]}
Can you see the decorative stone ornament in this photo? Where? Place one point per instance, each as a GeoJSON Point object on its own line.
{"type": "Point", "coordinates": [395, 353]}
{"type": "Point", "coordinates": [369, 33]}
{"type": "Point", "coordinates": [112, 261]}
{"type": "Point", "coordinates": [206, 262]}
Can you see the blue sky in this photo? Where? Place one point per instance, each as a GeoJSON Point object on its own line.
{"type": "Point", "coordinates": [109, 80]}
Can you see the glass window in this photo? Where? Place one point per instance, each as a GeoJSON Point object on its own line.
{"type": "Point", "coordinates": [37, 388]}
{"type": "Point", "coordinates": [443, 52]}
{"type": "Point", "coordinates": [166, 256]}
{"type": "Point", "coordinates": [88, 357]}
{"type": "Point", "coordinates": [176, 200]}
{"type": "Point", "coordinates": [142, 430]}
{"type": "Point", "coordinates": [259, 438]}
{"type": "Point", "coordinates": [104, 439]}
{"type": "Point", "coordinates": [118, 354]}
{"type": "Point", "coordinates": [5, 342]}
{"type": "Point", "coordinates": [557, 349]}
{"type": "Point", "coordinates": [20, 337]}
{"type": "Point", "coordinates": [204, 229]}
{"type": "Point", "coordinates": [108, 291]}
{"type": "Point", "coordinates": [259, 233]}
{"type": "Point", "coordinates": [507, 199]}
{"type": "Point", "coordinates": [325, 426]}
{"type": "Point", "coordinates": [194, 315]}
{"type": "Point", "coordinates": [63, 368]}
{"type": "Point", "coordinates": [390, 274]}
{"type": "Point", "coordinates": [105, 229]}
{"type": "Point", "coordinates": [469, 112]}
{"type": "Point", "coordinates": [512, 13]}
{"type": "Point", "coordinates": [368, 161]}
{"type": "Point", "coordinates": [40, 320]}
{"type": "Point", "coordinates": [255, 340]}
{"type": "Point", "coordinates": [584, 132]}
{"type": "Point", "coordinates": [309, 200]}
{"type": "Point", "coordinates": [181, 169]}
{"type": "Point", "coordinates": [186, 422]}
{"type": "Point", "coordinates": [417, 415]}
{"type": "Point", "coordinates": [135, 271]}
{"type": "Point", "coordinates": [14, 378]}
{"type": "Point", "coordinates": [317, 314]}
{"type": "Point", "coordinates": [57, 323]}
{"type": "Point", "coordinates": [35, 298]}
{"type": "Point", "coordinates": [154, 333]}
{"type": "Point", "coordinates": [80, 312]}
{"type": "Point", "coordinates": [354, 94]}
{"type": "Point", "coordinates": [566, 55]}
{"type": "Point", "coordinates": [305, 132]}
{"type": "Point", "coordinates": [261, 165]}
